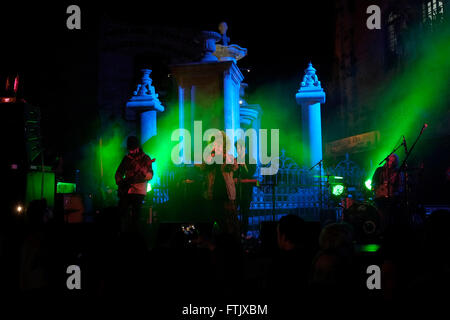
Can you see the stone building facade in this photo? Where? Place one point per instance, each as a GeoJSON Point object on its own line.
{"type": "Point", "coordinates": [365, 58]}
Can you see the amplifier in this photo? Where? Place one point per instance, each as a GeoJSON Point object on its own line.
{"type": "Point", "coordinates": [72, 206]}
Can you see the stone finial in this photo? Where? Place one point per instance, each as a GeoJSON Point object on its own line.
{"type": "Point", "coordinates": [209, 39]}
{"type": "Point", "coordinates": [223, 27]}
{"type": "Point", "coordinates": [226, 51]}
{"type": "Point", "coordinates": [310, 78]}
{"type": "Point", "coordinates": [145, 88]}
{"type": "Point", "coordinates": [145, 96]}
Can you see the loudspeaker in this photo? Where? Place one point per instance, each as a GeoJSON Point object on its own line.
{"type": "Point", "coordinates": [22, 136]}
{"type": "Point", "coordinates": [71, 206]}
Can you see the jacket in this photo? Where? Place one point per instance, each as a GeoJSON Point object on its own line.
{"type": "Point", "coordinates": [135, 170]}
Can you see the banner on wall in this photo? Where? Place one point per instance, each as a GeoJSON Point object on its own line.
{"type": "Point", "coordinates": [359, 143]}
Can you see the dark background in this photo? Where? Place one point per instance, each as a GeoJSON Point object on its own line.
{"type": "Point", "coordinates": [58, 67]}
{"type": "Point", "coordinates": [63, 71]}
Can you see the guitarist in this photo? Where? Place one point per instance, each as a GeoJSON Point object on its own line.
{"type": "Point", "coordinates": [132, 175]}
{"type": "Point", "coordinates": [387, 184]}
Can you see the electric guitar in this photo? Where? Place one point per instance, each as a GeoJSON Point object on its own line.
{"type": "Point", "coordinates": [382, 191]}
{"type": "Point", "coordinates": [126, 183]}
{"type": "Point", "coordinates": [386, 188]}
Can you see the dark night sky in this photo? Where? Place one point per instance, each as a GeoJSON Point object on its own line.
{"type": "Point", "coordinates": [58, 67]}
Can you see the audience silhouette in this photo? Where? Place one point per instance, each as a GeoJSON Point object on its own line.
{"type": "Point", "coordinates": [214, 267]}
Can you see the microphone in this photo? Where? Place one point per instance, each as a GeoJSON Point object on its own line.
{"type": "Point", "coordinates": [425, 125]}
{"type": "Point", "coordinates": [404, 145]}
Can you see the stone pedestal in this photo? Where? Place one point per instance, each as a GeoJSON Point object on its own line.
{"type": "Point", "coordinates": [208, 92]}
{"type": "Point", "coordinates": [309, 97]}
{"type": "Point", "coordinates": [145, 102]}
{"type": "Point", "coordinates": [148, 125]}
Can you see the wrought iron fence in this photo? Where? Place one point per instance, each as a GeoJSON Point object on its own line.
{"type": "Point", "coordinates": [293, 189]}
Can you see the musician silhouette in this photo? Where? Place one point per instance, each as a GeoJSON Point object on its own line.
{"type": "Point", "coordinates": [387, 184]}
{"type": "Point", "coordinates": [132, 175]}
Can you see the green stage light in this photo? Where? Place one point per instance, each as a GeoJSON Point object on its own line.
{"type": "Point", "coordinates": [368, 248]}
{"type": "Point", "coordinates": [368, 184]}
{"type": "Point", "coordinates": [414, 102]}
{"type": "Point", "coordinates": [338, 189]}
{"type": "Point", "coordinates": [149, 187]}
{"type": "Point", "coordinates": [66, 187]}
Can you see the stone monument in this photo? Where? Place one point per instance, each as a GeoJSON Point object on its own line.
{"type": "Point", "coordinates": [309, 97]}
{"type": "Point", "coordinates": [208, 90]}
{"type": "Point", "coordinates": [145, 102]}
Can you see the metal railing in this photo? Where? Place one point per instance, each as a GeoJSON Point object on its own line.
{"type": "Point", "coordinates": [292, 190]}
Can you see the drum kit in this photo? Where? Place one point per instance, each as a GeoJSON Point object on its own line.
{"type": "Point", "coordinates": [365, 219]}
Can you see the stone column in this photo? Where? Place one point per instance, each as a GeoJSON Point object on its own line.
{"type": "Point", "coordinates": [148, 125]}
{"type": "Point", "coordinates": [309, 97]}
{"type": "Point", "coordinates": [250, 118]}
{"type": "Point", "coordinates": [145, 102]}
{"type": "Point", "coordinates": [231, 83]}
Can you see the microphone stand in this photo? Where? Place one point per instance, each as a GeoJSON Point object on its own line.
{"type": "Point", "coordinates": [320, 180]}
{"type": "Point", "coordinates": [405, 177]}
{"type": "Point", "coordinates": [412, 148]}
{"type": "Point", "coordinates": [404, 164]}
{"type": "Point", "coordinates": [393, 151]}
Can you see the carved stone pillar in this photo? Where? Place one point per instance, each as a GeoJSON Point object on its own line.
{"type": "Point", "coordinates": [309, 97]}
{"type": "Point", "coordinates": [145, 102]}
